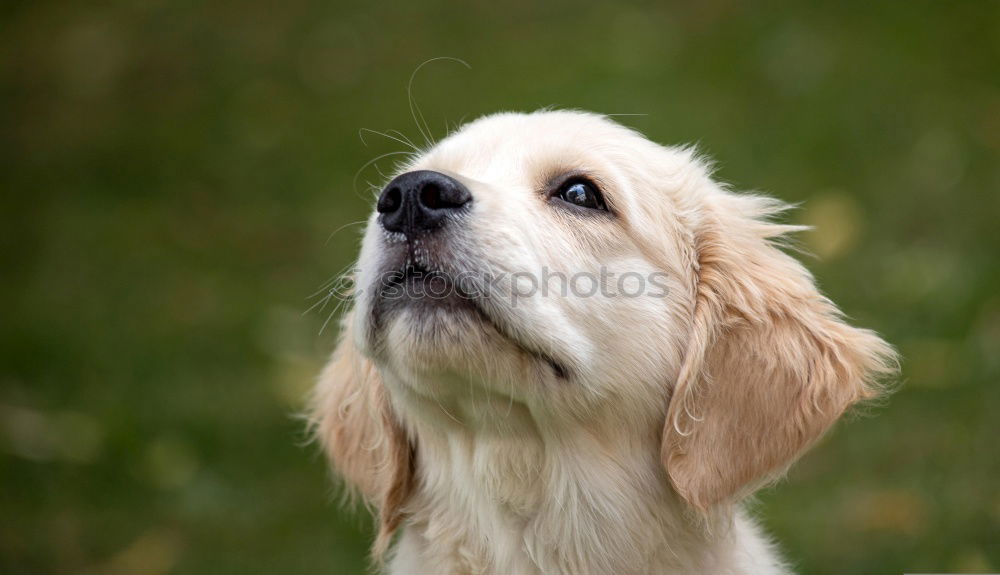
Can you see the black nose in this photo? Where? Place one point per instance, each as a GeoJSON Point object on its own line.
{"type": "Point", "coordinates": [420, 201]}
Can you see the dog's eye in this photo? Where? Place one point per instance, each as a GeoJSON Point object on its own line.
{"type": "Point", "coordinates": [582, 193]}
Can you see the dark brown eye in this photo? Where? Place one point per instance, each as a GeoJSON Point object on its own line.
{"type": "Point", "coordinates": [582, 193]}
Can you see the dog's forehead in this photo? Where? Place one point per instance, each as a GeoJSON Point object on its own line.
{"type": "Point", "coordinates": [515, 145]}
{"type": "Point", "coordinates": [546, 125]}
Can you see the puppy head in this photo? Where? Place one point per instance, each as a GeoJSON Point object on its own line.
{"type": "Point", "coordinates": [562, 262]}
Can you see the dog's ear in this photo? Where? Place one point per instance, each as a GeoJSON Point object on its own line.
{"type": "Point", "coordinates": [770, 364]}
{"type": "Point", "coordinates": [353, 419]}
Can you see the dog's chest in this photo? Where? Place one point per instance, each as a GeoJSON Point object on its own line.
{"type": "Point", "coordinates": [503, 506]}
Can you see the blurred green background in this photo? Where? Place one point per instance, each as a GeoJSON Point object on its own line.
{"type": "Point", "coordinates": [172, 173]}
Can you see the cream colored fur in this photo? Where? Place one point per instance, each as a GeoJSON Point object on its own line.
{"type": "Point", "coordinates": [675, 408]}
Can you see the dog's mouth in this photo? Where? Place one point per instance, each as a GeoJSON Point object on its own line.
{"type": "Point", "coordinates": [417, 282]}
{"type": "Point", "coordinates": [429, 290]}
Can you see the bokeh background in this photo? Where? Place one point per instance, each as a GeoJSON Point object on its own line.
{"type": "Point", "coordinates": [179, 177]}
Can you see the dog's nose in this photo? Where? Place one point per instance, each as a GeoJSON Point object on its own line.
{"type": "Point", "coordinates": [420, 201]}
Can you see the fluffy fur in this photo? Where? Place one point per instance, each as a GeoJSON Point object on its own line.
{"type": "Point", "coordinates": [460, 433]}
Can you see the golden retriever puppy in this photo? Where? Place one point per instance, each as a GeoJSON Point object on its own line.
{"type": "Point", "coordinates": [572, 352]}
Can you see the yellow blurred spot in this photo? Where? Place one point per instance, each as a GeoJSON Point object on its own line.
{"type": "Point", "coordinates": [27, 433]}
{"type": "Point", "coordinates": [170, 464]}
{"type": "Point", "coordinates": [93, 55]}
{"type": "Point", "coordinates": [971, 560]}
{"type": "Point", "coordinates": [44, 436]}
{"type": "Point", "coordinates": [153, 553]}
{"type": "Point", "coordinates": [837, 223]}
{"type": "Point", "coordinates": [893, 511]}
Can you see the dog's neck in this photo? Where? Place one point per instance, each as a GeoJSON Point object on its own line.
{"type": "Point", "coordinates": [504, 489]}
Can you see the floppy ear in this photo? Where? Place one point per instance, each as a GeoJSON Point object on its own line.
{"type": "Point", "coordinates": [770, 365]}
{"type": "Point", "coordinates": [353, 419]}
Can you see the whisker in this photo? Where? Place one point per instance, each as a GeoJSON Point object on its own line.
{"type": "Point", "coordinates": [329, 282]}
{"type": "Point", "coordinates": [341, 228]}
{"type": "Point", "coordinates": [405, 141]}
{"type": "Point", "coordinates": [354, 182]}
{"type": "Point", "coordinates": [381, 173]}
{"type": "Point", "coordinates": [418, 116]}
{"type": "Point", "coordinates": [325, 323]}
{"type": "Point", "coordinates": [405, 138]}
{"type": "Point", "coordinates": [321, 303]}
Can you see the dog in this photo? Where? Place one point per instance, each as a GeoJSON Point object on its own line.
{"type": "Point", "coordinates": [571, 351]}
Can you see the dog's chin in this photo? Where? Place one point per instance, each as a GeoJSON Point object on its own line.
{"type": "Point", "coordinates": [426, 333]}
